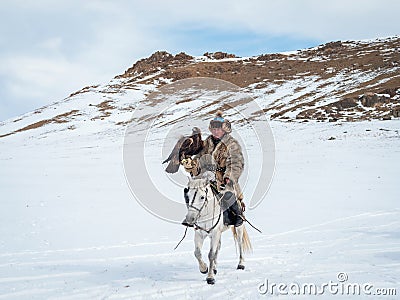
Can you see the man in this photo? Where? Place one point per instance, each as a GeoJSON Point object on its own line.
{"type": "Point", "coordinates": [222, 154]}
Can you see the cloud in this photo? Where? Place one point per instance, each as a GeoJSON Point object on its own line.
{"type": "Point", "coordinates": [29, 82]}
{"type": "Point", "coordinates": [307, 18]}
{"type": "Point", "coordinates": [49, 49]}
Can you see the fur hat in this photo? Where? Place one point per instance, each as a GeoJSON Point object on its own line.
{"type": "Point", "coordinates": [220, 122]}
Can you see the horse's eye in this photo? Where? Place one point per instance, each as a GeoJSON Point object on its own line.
{"type": "Point", "coordinates": [202, 197]}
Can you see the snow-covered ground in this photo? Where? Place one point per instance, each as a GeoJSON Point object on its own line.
{"type": "Point", "coordinates": [71, 229]}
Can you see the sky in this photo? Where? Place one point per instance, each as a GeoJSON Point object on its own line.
{"type": "Point", "coordinates": [50, 49]}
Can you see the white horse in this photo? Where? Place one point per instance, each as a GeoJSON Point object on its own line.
{"type": "Point", "coordinates": [206, 215]}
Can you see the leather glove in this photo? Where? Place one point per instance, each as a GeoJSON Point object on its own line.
{"type": "Point", "coordinates": [227, 183]}
{"type": "Point", "coordinates": [189, 164]}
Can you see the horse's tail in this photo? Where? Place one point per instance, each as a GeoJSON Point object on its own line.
{"type": "Point", "coordinates": [246, 244]}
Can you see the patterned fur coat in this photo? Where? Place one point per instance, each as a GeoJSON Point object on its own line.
{"type": "Point", "coordinates": [225, 158]}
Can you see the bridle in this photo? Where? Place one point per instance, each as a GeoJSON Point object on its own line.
{"type": "Point", "coordinates": [190, 203]}
{"type": "Point", "coordinates": [199, 210]}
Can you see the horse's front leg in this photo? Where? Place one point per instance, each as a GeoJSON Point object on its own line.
{"type": "Point", "coordinates": [212, 256]}
{"type": "Point", "coordinates": [198, 244]}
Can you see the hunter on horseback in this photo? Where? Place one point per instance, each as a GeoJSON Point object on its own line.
{"type": "Point", "coordinates": [223, 155]}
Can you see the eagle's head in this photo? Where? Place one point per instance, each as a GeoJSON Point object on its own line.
{"type": "Point", "coordinates": [196, 130]}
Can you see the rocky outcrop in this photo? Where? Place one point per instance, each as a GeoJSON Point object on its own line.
{"type": "Point", "coordinates": [160, 60]}
{"type": "Point", "coordinates": [355, 80]}
{"type": "Point", "coordinates": [365, 107]}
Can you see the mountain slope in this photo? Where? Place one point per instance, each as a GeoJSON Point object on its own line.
{"type": "Point", "coordinates": [338, 81]}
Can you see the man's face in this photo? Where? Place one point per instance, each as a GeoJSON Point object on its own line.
{"type": "Point", "coordinates": [217, 132]}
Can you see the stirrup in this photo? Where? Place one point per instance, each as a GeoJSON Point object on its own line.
{"type": "Point", "coordinates": [239, 221]}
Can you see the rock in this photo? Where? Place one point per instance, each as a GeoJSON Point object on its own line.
{"type": "Point", "coordinates": [396, 112]}
{"type": "Point", "coordinates": [371, 100]}
{"type": "Point", "coordinates": [183, 57]}
{"type": "Point", "coordinates": [345, 103]}
{"type": "Point", "coordinates": [219, 55]}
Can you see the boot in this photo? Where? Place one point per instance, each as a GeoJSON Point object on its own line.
{"type": "Point", "coordinates": [238, 213]}
{"type": "Point", "coordinates": [228, 201]}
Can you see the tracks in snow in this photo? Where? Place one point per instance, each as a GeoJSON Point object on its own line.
{"type": "Point", "coordinates": [153, 270]}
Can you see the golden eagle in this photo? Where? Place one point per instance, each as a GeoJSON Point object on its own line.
{"type": "Point", "coordinates": [185, 147]}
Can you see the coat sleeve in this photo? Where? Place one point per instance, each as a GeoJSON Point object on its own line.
{"type": "Point", "coordinates": [234, 161]}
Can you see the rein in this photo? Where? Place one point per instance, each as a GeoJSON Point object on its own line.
{"type": "Point", "coordinates": [196, 226]}
{"type": "Point", "coordinates": [214, 191]}
{"type": "Point", "coordinates": [209, 230]}
{"type": "Point", "coordinates": [199, 211]}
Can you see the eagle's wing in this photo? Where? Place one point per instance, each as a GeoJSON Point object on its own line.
{"type": "Point", "coordinates": [185, 146]}
{"type": "Point", "coordinates": [175, 150]}
{"type": "Point", "coordinates": [174, 157]}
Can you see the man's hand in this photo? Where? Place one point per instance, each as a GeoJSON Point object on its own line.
{"type": "Point", "coordinates": [186, 162]}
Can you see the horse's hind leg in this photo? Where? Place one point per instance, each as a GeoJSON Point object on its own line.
{"type": "Point", "coordinates": [198, 243]}
{"type": "Point", "coordinates": [216, 255]}
{"type": "Point", "coordinates": [239, 241]}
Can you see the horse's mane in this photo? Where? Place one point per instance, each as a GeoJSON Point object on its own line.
{"type": "Point", "coordinates": [197, 183]}
{"type": "Point", "coordinates": [201, 180]}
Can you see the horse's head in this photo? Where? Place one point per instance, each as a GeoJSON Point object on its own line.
{"type": "Point", "coordinates": [196, 194]}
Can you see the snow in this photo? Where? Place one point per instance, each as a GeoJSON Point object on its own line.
{"type": "Point", "coordinates": [71, 229]}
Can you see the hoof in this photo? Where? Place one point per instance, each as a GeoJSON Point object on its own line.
{"type": "Point", "coordinates": [210, 280]}
{"type": "Point", "coordinates": [240, 267]}
{"type": "Point", "coordinates": [204, 272]}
